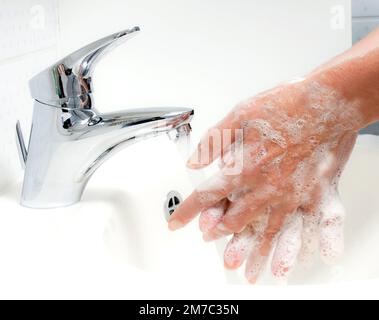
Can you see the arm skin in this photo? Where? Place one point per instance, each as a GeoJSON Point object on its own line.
{"type": "Point", "coordinates": [297, 139]}
{"type": "Point", "coordinates": [355, 74]}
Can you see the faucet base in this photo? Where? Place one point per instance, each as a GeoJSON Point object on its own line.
{"type": "Point", "coordinates": [54, 196]}
{"type": "Point", "coordinates": [35, 206]}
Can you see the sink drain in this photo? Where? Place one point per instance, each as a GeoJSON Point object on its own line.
{"type": "Point", "coordinates": [173, 201]}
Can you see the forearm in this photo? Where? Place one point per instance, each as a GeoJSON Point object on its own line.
{"type": "Point", "coordinates": [355, 75]}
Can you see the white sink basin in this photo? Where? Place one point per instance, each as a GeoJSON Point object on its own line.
{"type": "Point", "coordinates": [118, 230]}
{"type": "Point", "coordinates": [117, 238]}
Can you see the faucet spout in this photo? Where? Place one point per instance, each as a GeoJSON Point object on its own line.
{"type": "Point", "coordinates": [116, 131]}
{"type": "Point", "coordinates": [146, 122]}
{"type": "Point", "coordinates": [68, 146]}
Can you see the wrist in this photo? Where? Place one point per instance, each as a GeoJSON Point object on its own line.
{"type": "Point", "coordinates": [356, 82]}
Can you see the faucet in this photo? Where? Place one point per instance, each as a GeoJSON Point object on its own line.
{"type": "Point", "coordinates": [70, 139]}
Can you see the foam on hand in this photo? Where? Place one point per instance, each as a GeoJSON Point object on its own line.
{"type": "Point", "coordinates": [291, 157]}
{"type": "Point", "coordinates": [288, 247]}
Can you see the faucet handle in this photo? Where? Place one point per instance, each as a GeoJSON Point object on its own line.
{"type": "Point", "coordinates": [68, 83]}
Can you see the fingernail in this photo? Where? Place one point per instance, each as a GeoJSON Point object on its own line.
{"type": "Point", "coordinates": [253, 280]}
{"type": "Point", "coordinates": [175, 225]}
{"type": "Point", "coordinates": [232, 265]}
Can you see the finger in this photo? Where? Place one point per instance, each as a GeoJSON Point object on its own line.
{"type": "Point", "coordinates": [310, 237]}
{"type": "Point", "coordinates": [205, 197]}
{"type": "Point", "coordinates": [241, 214]}
{"type": "Point", "coordinates": [258, 219]}
{"type": "Point", "coordinates": [211, 217]}
{"type": "Point", "coordinates": [247, 204]}
{"type": "Point", "coordinates": [244, 243]}
{"type": "Point", "coordinates": [215, 143]}
{"type": "Point", "coordinates": [238, 248]}
{"type": "Point", "coordinates": [288, 247]}
{"type": "Point", "coordinates": [247, 209]}
{"type": "Point", "coordinates": [255, 264]}
{"type": "Point", "coordinates": [216, 234]}
{"type": "Point", "coordinates": [258, 258]}
{"type": "Point", "coordinates": [311, 229]}
{"type": "Point", "coordinates": [332, 230]}
{"type": "Point", "coordinates": [222, 230]}
{"type": "Point", "coordinates": [260, 253]}
{"type": "Point", "coordinates": [276, 221]}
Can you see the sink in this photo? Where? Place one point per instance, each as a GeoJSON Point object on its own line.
{"type": "Point", "coordinates": [118, 230]}
{"type": "Point", "coordinates": [117, 236]}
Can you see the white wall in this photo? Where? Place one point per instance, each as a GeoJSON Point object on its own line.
{"type": "Point", "coordinates": [204, 53]}
{"type": "Point", "coordinates": [28, 37]}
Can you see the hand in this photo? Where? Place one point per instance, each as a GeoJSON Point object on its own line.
{"type": "Point", "coordinates": [296, 141]}
{"type": "Point", "coordinates": [320, 227]}
{"type": "Point", "coordinates": [298, 240]}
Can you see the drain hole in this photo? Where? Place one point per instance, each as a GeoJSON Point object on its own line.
{"type": "Point", "coordinates": [173, 201]}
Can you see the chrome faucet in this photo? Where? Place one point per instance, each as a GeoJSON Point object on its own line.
{"type": "Point", "coordinates": [70, 138]}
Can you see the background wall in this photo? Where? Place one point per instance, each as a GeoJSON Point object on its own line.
{"type": "Point", "coordinates": [365, 19]}
{"type": "Point", "coordinates": [28, 38]}
{"type": "Point", "coordinates": [207, 54]}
